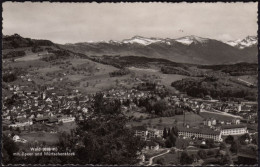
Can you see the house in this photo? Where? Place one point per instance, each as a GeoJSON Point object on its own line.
{"type": "Point", "coordinates": [65, 119]}
{"type": "Point", "coordinates": [236, 121]}
{"type": "Point", "coordinates": [235, 129]}
{"type": "Point", "coordinates": [210, 122]}
{"type": "Point", "coordinates": [48, 100]}
{"type": "Point", "coordinates": [16, 138]}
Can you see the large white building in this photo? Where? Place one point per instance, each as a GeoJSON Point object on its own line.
{"type": "Point", "coordinates": [235, 129]}
{"type": "Point", "coordinates": [204, 133]}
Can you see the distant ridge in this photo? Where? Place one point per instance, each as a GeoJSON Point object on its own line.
{"type": "Point", "coordinates": [188, 49]}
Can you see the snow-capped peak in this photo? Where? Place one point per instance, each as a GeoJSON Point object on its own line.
{"type": "Point", "coordinates": [191, 39]}
{"type": "Point", "coordinates": [243, 43]}
{"type": "Point", "coordinates": [142, 40]}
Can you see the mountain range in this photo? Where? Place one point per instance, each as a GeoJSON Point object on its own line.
{"type": "Point", "coordinates": [188, 49]}
{"type": "Point", "coordinates": [249, 41]}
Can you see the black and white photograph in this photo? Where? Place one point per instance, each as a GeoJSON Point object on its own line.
{"type": "Point", "coordinates": [140, 84]}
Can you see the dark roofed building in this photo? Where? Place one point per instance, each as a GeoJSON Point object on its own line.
{"type": "Point", "coordinates": [41, 119]}
{"type": "Point", "coordinates": [52, 120]}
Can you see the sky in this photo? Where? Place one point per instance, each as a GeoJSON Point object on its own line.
{"type": "Point", "coordinates": [81, 22]}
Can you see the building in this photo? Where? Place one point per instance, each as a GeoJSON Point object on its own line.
{"type": "Point", "coordinates": [210, 122]}
{"type": "Point", "coordinates": [239, 107]}
{"type": "Point", "coordinates": [234, 129]}
{"type": "Point", "coordinates": [16, 138]}
{"type": "Point", "coordinates": [155, 132]}
{"type": "Point", "coordinates": [22, 123]}
{"type": "Point", "coordinates": [141, 131]}
{"type": "Point", "coordinates": [204, 133]}
{"type": "Point", "coordinates": [66, 119]}
{"type": "Point", "coordinates": [236, 121]}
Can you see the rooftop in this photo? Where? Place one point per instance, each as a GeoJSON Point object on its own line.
{"type": "Point", "coordinates": [233, 126]}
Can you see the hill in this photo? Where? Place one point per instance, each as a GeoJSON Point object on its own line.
{"type": "Point", "coordinates": [219, 88]}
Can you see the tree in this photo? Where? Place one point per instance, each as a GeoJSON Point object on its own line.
{"type": "Point", "coordinates": [226, 160]}
{"type": "Point", "coordinates": [210, 143]}
{"type": "Point", "coordinates": [202, 154]}
{"type": "Point", "coordinates": [8, 148]}
{"type": "Point", "coordinates": [244, 137]}
{"type": "Point", "coordinates": [185, 158]}
{"type": "Point", "coordinates": [174, 130]}
{"type": "Point", "coordinates": [165, 134]}
{"type": "Point", "coordinates": [210, 153]}
{"type": "Point", "coordinates": [172, 139]}
{"type": "Point", "coordinates": [222, 146]}
{"type": "Point", "coordinates": [159, 107]}
{"type": "Point", "coordinates": [168, 143]}
{"type": "Point", "coordinates": [169, 131]}
{"type": "Point", "coordinates": [229, 139]}
{"type": "Point", "coordinates": [160, 120]}
{"type": "Point", "coordinates": [18, 130]}
{"type": "Point", "coordinates": [108, 141]}
{"type": "Point", "coordinates": [160, 161]}
{"type": "Point", "coordinates": [104, 136]}
{"type": "Point", "coordinates": [255, 139]}
{"type": "Point", "coordinates": [234, 147]}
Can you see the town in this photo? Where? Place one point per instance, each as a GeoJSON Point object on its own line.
{"type": "Point", "coordinates": [166, 122]}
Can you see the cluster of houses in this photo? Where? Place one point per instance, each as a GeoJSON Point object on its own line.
{"type": "Point", "coordinates": [30, 105]}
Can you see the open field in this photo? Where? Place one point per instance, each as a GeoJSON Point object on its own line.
{"type": "Point", "coordinates": [27, 64]}
{"type": "Point", "coordinates": [249, 78]}
{"type": "Point", "coordinates": [136, 114]}
{"type": "Point", "coordinates": [66, 127]}
{"type": "Point", "coordinates": [40, 137]}
{"type": "Point", "coordinates": [191, 119]}
{"type": "Point", "coordinates": [216, 116]}
{"type": "Point", "coordinates": [28, 57]}
{"type": "Point", "coordinates": [48, 69]}
{"type": "Point", "coordinates": [169, 158]}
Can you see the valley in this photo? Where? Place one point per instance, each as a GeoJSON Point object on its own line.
{"type": "Point", "coordinates": [50, 90]}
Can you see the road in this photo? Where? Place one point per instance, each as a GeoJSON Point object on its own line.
{"type": "Point", "coordinates": [151, 159]}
